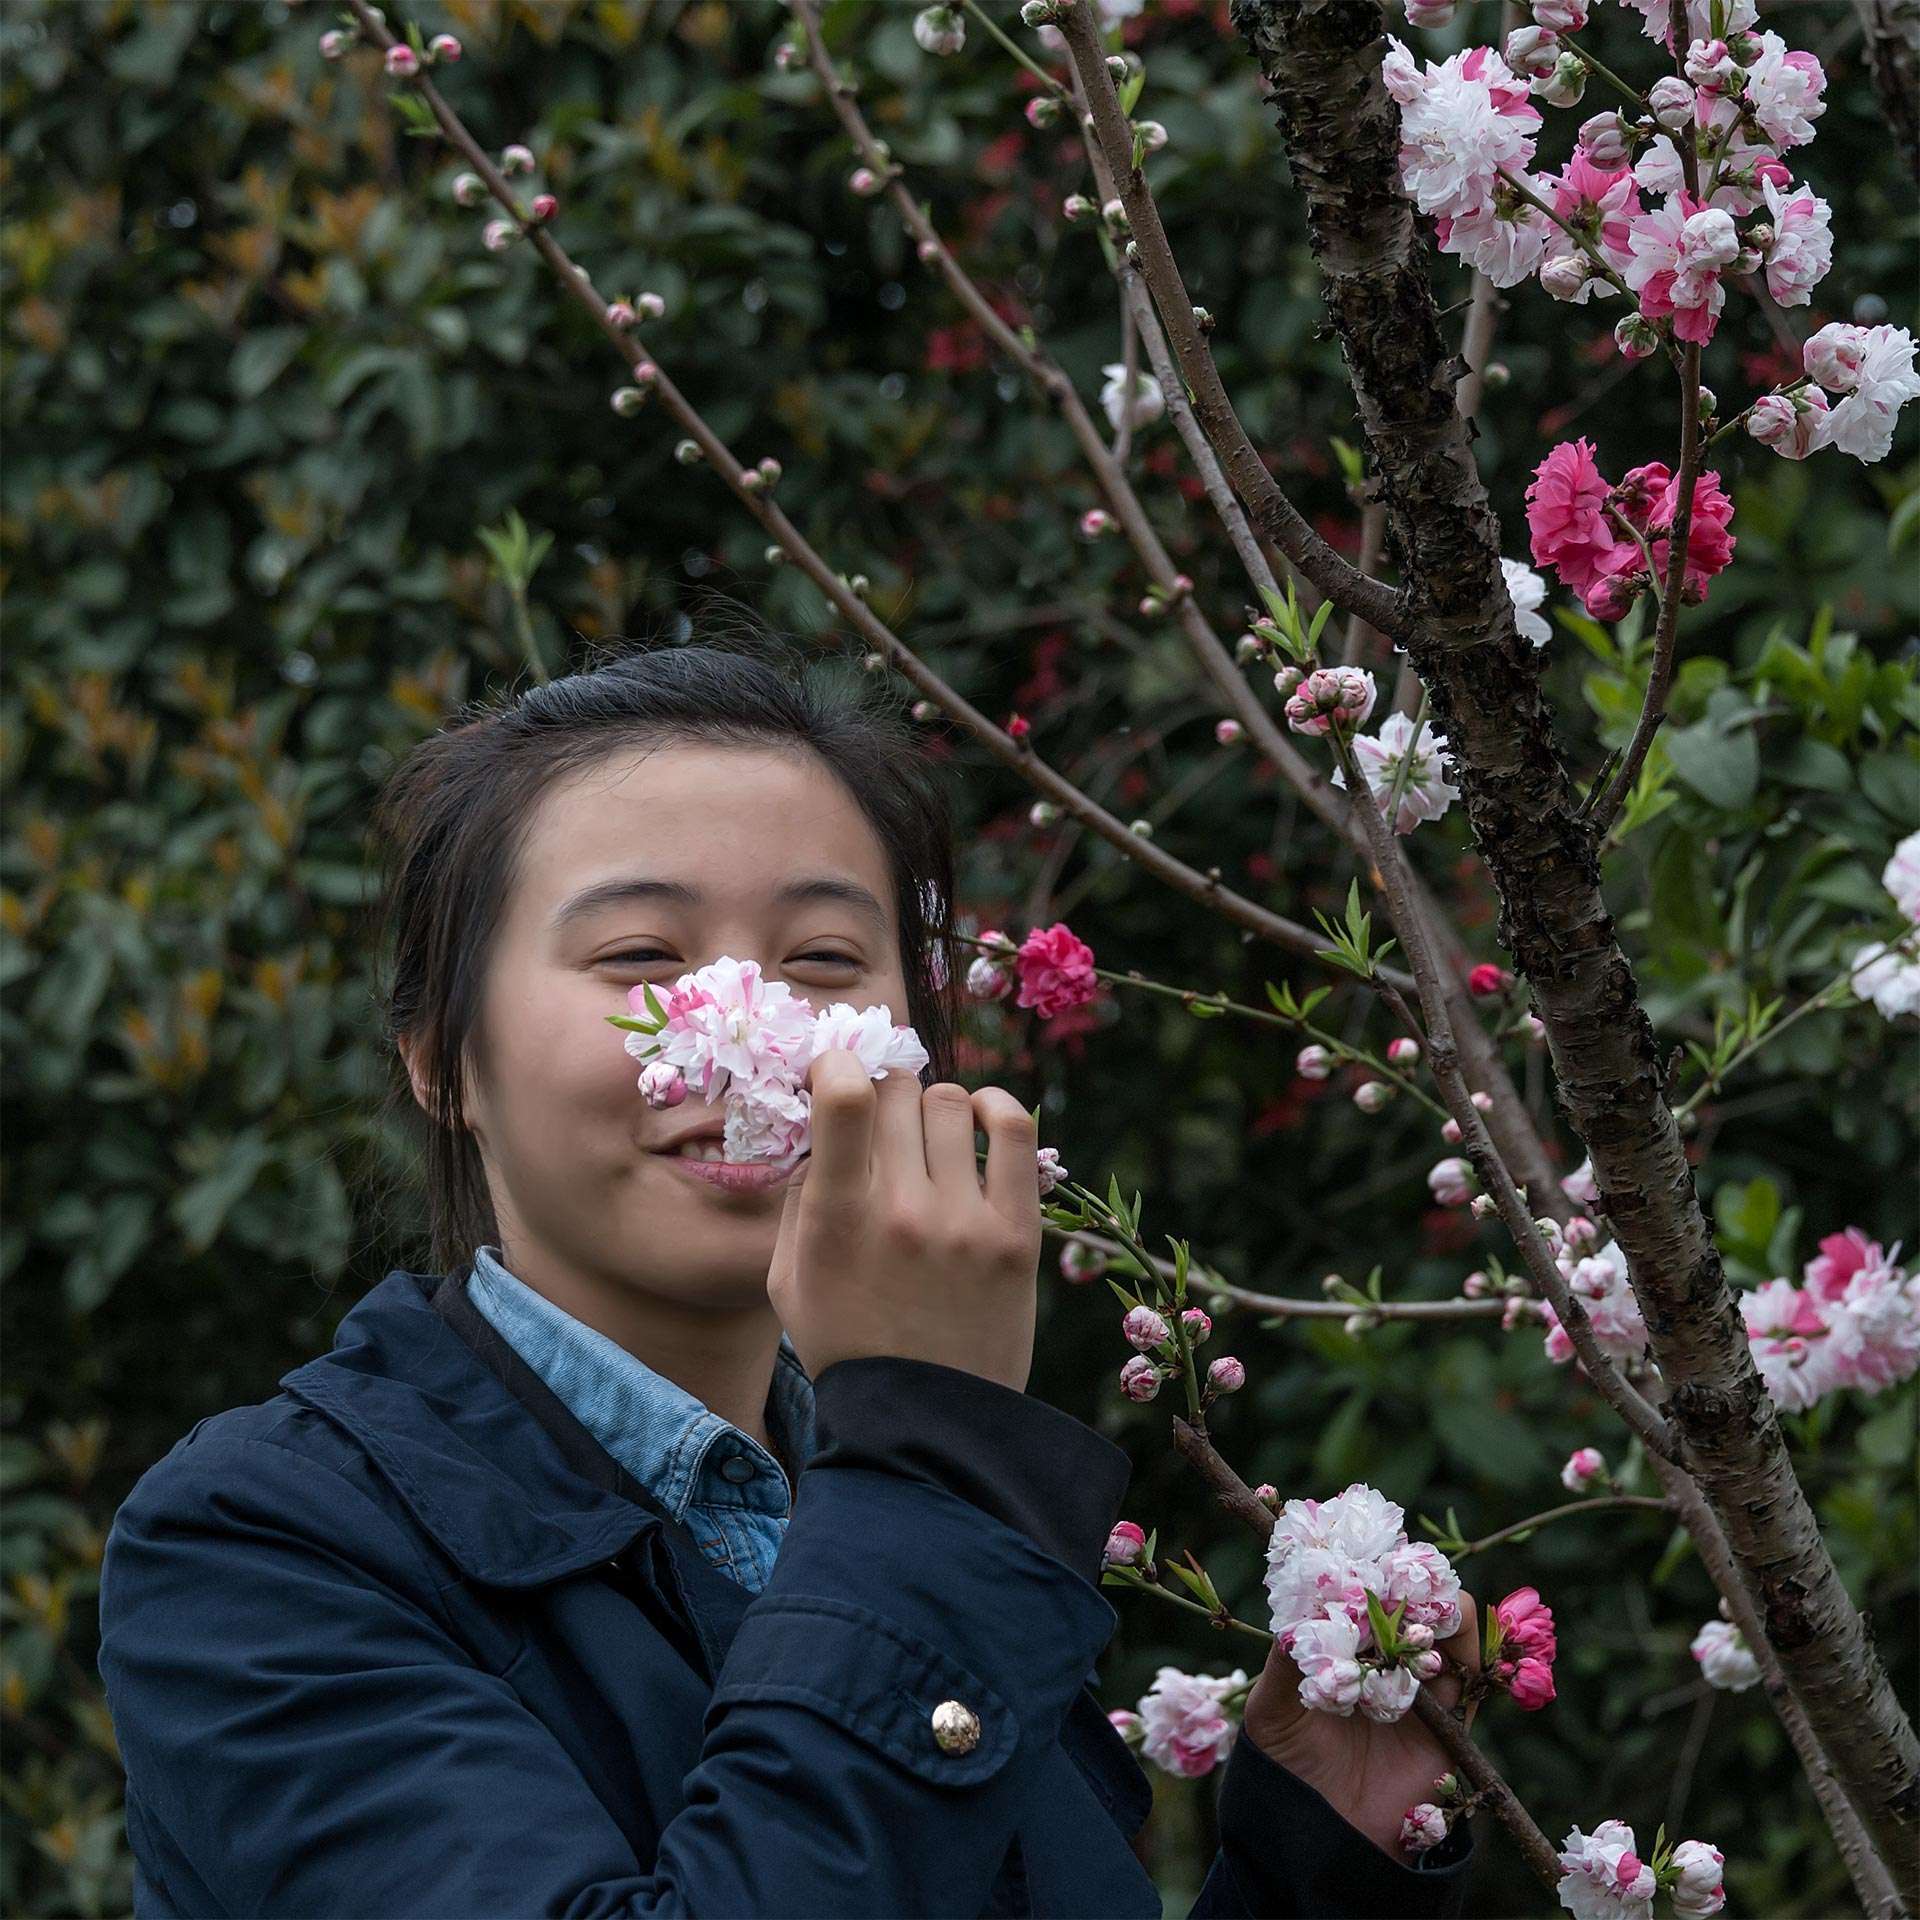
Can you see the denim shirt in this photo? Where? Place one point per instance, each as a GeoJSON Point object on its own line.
{"type": "Point", "coordinates": [714, 1478]}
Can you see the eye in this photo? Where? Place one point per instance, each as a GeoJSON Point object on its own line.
{"type": "Point", "coordinates": [645, 956]}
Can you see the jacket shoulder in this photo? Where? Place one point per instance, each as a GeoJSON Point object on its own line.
{"type": "Point", "coordinates": [278, 1466]}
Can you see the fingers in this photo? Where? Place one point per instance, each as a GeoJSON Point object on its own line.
{"type": "Point", "coordinates": [946, 1116]}
{"type": "Point", "coordinates": [899, 1139]}
{"type": "Point", "coordinates": [1013, 1180]}
{"type": "Point", "coordinates": [842, 1127]}
{"type": "Point", "coordinates": [1462, 1646]}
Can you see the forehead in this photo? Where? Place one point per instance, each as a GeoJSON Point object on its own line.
{"type": "Point", "coordinates": [735, 822]}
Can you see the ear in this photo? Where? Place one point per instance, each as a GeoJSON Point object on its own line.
{"type": "Point", "coordinates": [410, 1054]}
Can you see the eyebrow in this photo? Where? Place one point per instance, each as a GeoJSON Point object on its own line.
{"type": "Point", "coordinates": [636, 887]}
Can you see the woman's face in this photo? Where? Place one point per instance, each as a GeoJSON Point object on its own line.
{"type": "Point", "coordinates": [648, 865]}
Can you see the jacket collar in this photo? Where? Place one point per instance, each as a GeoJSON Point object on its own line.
{"type": "Point", "coordinates": [500, 1495]}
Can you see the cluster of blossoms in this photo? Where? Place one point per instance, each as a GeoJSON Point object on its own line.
{"type": "Point", "coordinates": [1598, 539]}
{"type": "Point", "coordinates": [1324, 1558]}
{"type": "Point", "coordinates": [1184, 1722]}
{"type": "Point", "coordinates": [1887, 977]}
{"type": "Point", "coordinates": [724, 1033]}
{"type": "Point", "coordinates": [1156, 1353]}
{"type": "Point", "coordinates": [1052, 969]}
{"type": "Point", "coordinates": [1854, 1321]}
{"type": "Point", "coordinates": [1603, 1878]}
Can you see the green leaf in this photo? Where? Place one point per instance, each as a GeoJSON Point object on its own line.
{"type": "Point", "coordinates": [1720, 764]}
{"type": "Point", "coordinates": [262, 357]}
{"type": "Point", "coordinates": [201, 1209]}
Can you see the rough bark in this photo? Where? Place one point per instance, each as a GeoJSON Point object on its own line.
{"type": "Point", "coordinates": [1321, 59]}
{"type": "Point", "coordinates": [1891, 51]}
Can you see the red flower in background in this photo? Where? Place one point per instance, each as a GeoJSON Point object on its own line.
{"type": "Point", "coordinates": [960, 348]}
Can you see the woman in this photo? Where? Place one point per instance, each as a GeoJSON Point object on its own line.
{"type": "Point", "coordinates": [687, 1543]}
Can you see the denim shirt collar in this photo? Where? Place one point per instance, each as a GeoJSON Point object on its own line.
{"type": "Point", "coordinates": [669, 1440]}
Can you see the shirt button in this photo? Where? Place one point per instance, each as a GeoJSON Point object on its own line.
{"type": "Point", "coordinates": [737, 1468]}
{"type": "Point", "coordinates": [957, 1728]}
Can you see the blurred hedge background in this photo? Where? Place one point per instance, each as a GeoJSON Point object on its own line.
{"type": "Point", "coordinates": [263, 390]}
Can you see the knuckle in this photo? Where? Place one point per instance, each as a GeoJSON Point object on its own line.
{"type": "Point", "coordinates": [949, 1094]}
{"type": "Point", "coordinates": [907, 1230]}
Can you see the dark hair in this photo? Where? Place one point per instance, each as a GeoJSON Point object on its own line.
{"type": "Point", "coordinates": [452, 819]}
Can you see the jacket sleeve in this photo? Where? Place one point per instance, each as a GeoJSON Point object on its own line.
{"type": "Point", "coordinates": [303, 1723]}
{"type": "Point", "coordinates": [1286, 1851]}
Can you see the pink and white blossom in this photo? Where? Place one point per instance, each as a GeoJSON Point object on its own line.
{"type": "Point", "coordinates": [1462, 121]}
{"type": "Point", "coordinates": [1792, 424]}
{"type": "Point", "coordinates": [1584, 1465]}
{"type": "Point", "coordinates": [1784, 90]}
{"type": "Point", "coordinates": [1602, 1878]}
{"type": "Point", "coordinates": [1862, 421]}
{"type": "Point", "coordinates": [1679, 250]}
{"type": "Point", "coordinates": [1330, 697]}
{"type": "Point", "coordinates": [1890, 979]}
{"type": "Point", "coordinates": [1425, 793]}
{"type": "Point", "coordinates": [1802, 247]}
{"type": "Point", "coordinates": [1696, 1889]}
{"type": "Point", "coordinates": [1901, 877]}
{"type": "Point", "coordinates": [1185, 1729]}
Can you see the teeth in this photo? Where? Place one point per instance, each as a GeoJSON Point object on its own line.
{"type": "Point", "coordinates": [703, 1150]}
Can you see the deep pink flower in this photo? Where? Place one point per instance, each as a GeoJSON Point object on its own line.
{"type": "Point", "coordinates": [1709, 544]}
{"type": "Point", "coordinates": [1487, 979]}
{"type": "Point", "coordinates": [1056, 971]}
{"type": "Point", "coordinates": [1569, 530]}
{"type": "Point", "coordinates": [1841, 1256]}
{"type": "Point", "coordinates": [1531, 1684]}
{"type": "Point", "coordinates": [1526, 1625]}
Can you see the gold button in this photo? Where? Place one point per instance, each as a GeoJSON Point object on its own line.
{"type": "Point", "coordinates": [957, 1728]}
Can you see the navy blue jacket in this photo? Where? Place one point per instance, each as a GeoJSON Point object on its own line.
{"type": "Point", "coordinates": [406, 1640]}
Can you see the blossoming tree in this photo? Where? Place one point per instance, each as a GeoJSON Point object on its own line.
{"type": "Point", "coordinates": [1679, 194]}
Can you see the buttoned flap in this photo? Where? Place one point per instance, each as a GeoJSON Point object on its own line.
{"type": "Point", "coordinates": [865, 1673]}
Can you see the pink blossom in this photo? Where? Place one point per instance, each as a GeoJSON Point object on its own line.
{"type": "Point", "coordinates": [1462, 121]}
{"type": "Point", "coordinates": [1802, 247]}
{"type": "Point", "coordinates": [1874, 1328]}
{"type": "Point", "coordinates": [1697, 1890]}
{"type": "Point", "coordinates": [1884, 381]}
{"type": "Point", "coordinates": [1452, 1181]}
{"type": "Point", "coordinates": [443, 46]}
{"type": "Point", "coordinates": [1709, 544]}
{"type": "Point", "coordinates": [402, 62]}
{"type": "Point", "coordinates": [1313, 1063]}
{"type": "Point", "coordinates": [1331, 1675]}
{"type": "Point", "coordinates": [1792, 424]}
{"type": "Point", "coordinates": [1784, 90]}
{"type": "Point", "coordinates": [1841, 1256]}
{"type": "Point", "coordinates": [1329, 697]}
{"type": "Point", "coordinates": [1788, 1336]}
{"type": "Point", "coordinates": [1531, 1683]}
{"type": "Point", "coordinates": [1833, 356]}
{"type": "Point", "coordinates": [1140, 1379]}
{"type": "Point", "coordinates": [1678, 252]}
{"type": "Point", "coordinates": [1421, 1827]}
{"type": "Point", "coordinates": [1901, 877]}
{"type": "Point", "coordinates": [1125, 1544]}
{"type": "Point", "coordinates": [1602, 1878]}
{"type": "Point", "coordinates": [1526, 1624]}
{"type": "Point", "coordinates": [1185, 1728]}
{"type": "Point", "coordinates": [1569, 532]}
{"type": "Point", "coordinates": [1056, 971]}
{"type": "Point", "coordinates": [1226, 1374]}
{"type": "Point", "coordinates": [1504, 238]}
{"type": "Point", "coordinates": [1725, 1659]}
{"type": "Point", "coordinates": [1487, 979]}
{"type": "Point", "coordinates": [1425, 793]}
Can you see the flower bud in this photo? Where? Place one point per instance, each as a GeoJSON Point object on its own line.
{"type": "Point", "coordinates": [1229, 733]}
{"type": "Point", "coordinates": [1532, 51]}
{"type": "Point", "coordinates": [1566, 84]}
{"type": "Point", "coordinates": [1043, 111]}
{"type": "Point", "coordinates": [1636, 336]}
{"type": "Point", "coordinates": [1606, 140]}
{"type": "Point", "coordinates": [516, 159]}
{"type": "Point", "coordinates": [402, 62]}
{"type": "Point", "coordinates": [1371, 1095]}
{"type": "Point", "coordinates": [335, 43]}
{"type": "Point", "coordinates": [1487, 979]}
{"type": "Point", "coordinates": [1079, 1262]}
{"type": "Point", "coordinates": [1355, 1324]}
{"type": "Point", "coordinates": [985, 981]}
{"type": "Point", "coordinates": [1450, 1131]}
{"type": "Point", "coordinates": [1095, 522]}
{"type": "Point", "coordinates": [1474, 1286]}
{"type": "Point", "coordinates": [1670, 101]}
{"type": "Point", "coordinates": [1152, 135]}
{"type": "Point", "coordinates": [688, 453]}
{"type": "Point", "coordinates": [1331, 1284]}
{"type": "Point", "coordinates": [1037, 13]}
{"type": "Point", "coordinates": [1144, 1328]}
{"type": "Point", "coordinates": [1451, 1181]}
{"type": "Point", "coordinates": [1562, 16]}
{"type": "Point", "coordinates": [1076, 206]}
{"type": "Point", "coordinates": [662, 1085]}
{"type": "Point", "coordinates": [1125, 1545]}
{"type": "Point", "coordinates": [1563, 275]}
{"type": "Point", "coordinates": [443, 46]}
{"type": "Point", "coordinates": [1249, 647]}
{"type": "Point", "coordinates": [620, 315]}
{"type": "Point", "coordinates": [1430, 14]}
{"type": "Point", "coordinates": [1140, 1378]}
{"type": "Point", "coordinates": [1584, 1465]}
{"type": "Point", "coordinates": [1286, 681]}
{"type": "Point", "coordinates": [469, 189]}
{"type": "Point", "coordinates": [1313, 1063]}
{"type": "Point", "coordinates": [1268, 1495]}
{"type": "Point", "coordinates": [1226, 1375]}
{"type": "Point", "coordinates": [1416, 1636]}
{"type": "Point", "coordinates": [498, 235]}
{"type": "Point", "coordinates": [1711, 67]}
{"type": "Point", "coordinates": [1199, 1324]}
{"type": "Point", "coordinates": [865, 182]}
{"type": "Point", "coordinates": [927, 252]}
{"type": "Point", "coordinates": [1481, 1205]}
{"type": "Point", "coordinates": [1117, 68]}
{"type": "Point", "coordinates": [1428, 1665]}
{"type": "Point", "coordinates": [940, 30]}
{"type": "Point", "coordinates": [1482, 1101]}
{"type": "Point", "coordinates": [627, 401]}
{"type": "Point", "coordinates": [545, 206]}
{"type": "Point", "coordinates": [1141, 829]}
{"type": "Point", "coordinates": [1404, 1051]}
{"type": "Point", "coordinates": [1114, 213]}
